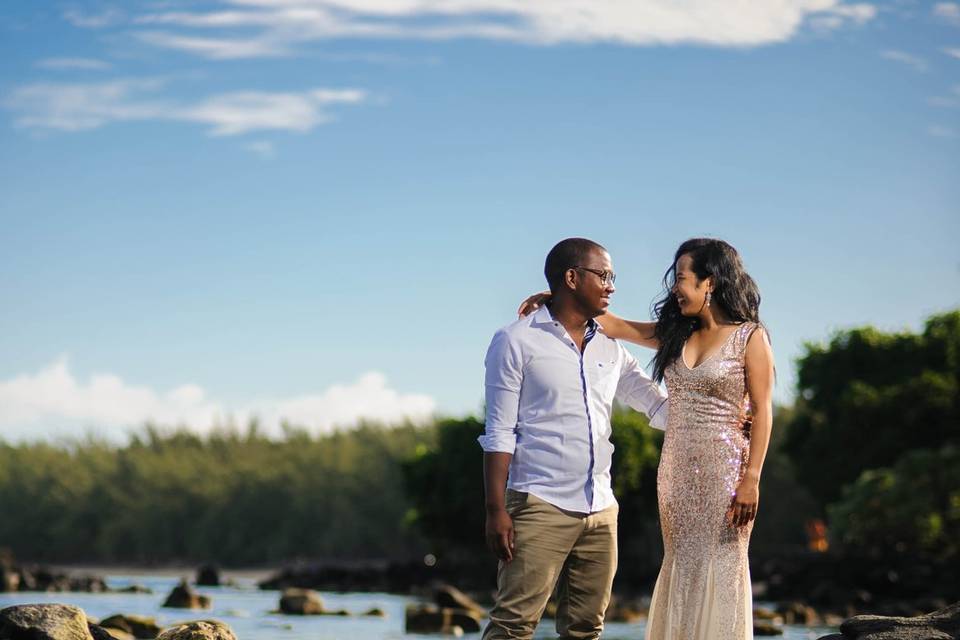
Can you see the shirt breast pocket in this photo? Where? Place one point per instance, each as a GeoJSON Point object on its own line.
{"type": "Point", "coordinates": [604, 377]}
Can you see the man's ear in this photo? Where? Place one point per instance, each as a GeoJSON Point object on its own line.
{"type": "Point", "coordinates": [570, 279]}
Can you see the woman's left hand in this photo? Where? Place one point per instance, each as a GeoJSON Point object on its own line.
{"type": "Point", "coordinates": [743, 507]}
{"type": "Point", "coordinates": [533, 303]}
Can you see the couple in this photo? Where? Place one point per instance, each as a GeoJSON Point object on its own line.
{"type": "Point", "coordinates": [551, 379]}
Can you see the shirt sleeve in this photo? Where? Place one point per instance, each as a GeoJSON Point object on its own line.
{"type": "Point", "coordinates": [639, 391]}
{"type": "Point", "coordinates": [504, 377]}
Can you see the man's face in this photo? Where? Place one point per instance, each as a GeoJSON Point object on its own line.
{"type": "Point", "coordinates": [590, 289]}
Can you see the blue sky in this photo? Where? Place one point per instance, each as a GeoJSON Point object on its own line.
{"type": "Point", "coordinates": [322, 209]}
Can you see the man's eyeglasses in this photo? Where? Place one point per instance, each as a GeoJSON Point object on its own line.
{"type": "Point", "coordinates": [606, 277]}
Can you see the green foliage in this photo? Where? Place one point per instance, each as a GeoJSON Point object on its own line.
{"type": "Point", "coordinates": [868, 396]}
{"type": "Point", "coordinates": [445, 484]}
{"type": "Point", "coordinates": [229, 497]}
{"type": "Point", "coordinates": [913, 506]}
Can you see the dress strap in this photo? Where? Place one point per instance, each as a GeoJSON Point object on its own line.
{"type": "Point", "coordinates": [744, 331]}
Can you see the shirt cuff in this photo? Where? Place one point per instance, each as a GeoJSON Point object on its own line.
{"type": "Point", "coordinates": [658, 419]}
{"type": "Point", "coordinates": [498, 443]}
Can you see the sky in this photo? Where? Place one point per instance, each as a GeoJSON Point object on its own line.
{"type": "Point", "coordinates": [319, 211]}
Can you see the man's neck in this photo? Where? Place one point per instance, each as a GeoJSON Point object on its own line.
{"type": "Point", "coordinates": [573, 319]}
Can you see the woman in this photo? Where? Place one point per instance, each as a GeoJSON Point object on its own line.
{"type": "Point", "coordinates": [716, 359]}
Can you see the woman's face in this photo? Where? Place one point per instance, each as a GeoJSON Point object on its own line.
{"type": "Point", "coordinates": [690, 292]}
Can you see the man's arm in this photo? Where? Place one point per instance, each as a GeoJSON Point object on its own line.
{"type": "Point", "coordinates": [639, 391]}
{"type": "Point", "coordinates": [499, 525]}
{"type": "Point", "coordinates": [504, 377]}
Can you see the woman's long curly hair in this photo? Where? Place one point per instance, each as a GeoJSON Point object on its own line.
{"type": "Point", "coordinates": [733, 290]}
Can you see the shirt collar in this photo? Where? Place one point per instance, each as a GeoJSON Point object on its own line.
{"type": "Point", "coordinates": [543, 316]}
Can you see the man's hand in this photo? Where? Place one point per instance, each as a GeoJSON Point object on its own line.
{"type": "Point", "coordinates": [500, 537]}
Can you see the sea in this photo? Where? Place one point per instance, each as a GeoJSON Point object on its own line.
{"type": "Point", "coordinates": [251, 612]}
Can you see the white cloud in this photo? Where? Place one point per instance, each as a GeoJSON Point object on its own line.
{"type": "Point", "coordinates": [953, 52]}
{"type": "Point", "coordinates": [70, 64]}
{"type": "Point", "coordinates": [276, 26]}
{"type": "Point", "coordinates": [106, 18]}
{"type": "Point", "coordinates": [53, 403]}
{"type": "Point", "coordinates": [951, 100]}
{"type": "Point", "coordinates": [234, 113]}
{"type": "Point", "coordinates": [941, 131]}
{"type": "Point", "coordinates": [948, 12]}
{"type": "Point", "coordinates": [80, 106]}
{"type": "Point", "coordinates": [908, 59]}
{"type": "Point", "coordinates": [263, 148]}
{"type": "Point", "coordinates": [215, 48]}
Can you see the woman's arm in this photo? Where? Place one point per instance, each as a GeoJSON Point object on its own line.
{"type": "Point", "coordinates": [760, 376]}
{"type": "Point", "coordinates": [641, 333]}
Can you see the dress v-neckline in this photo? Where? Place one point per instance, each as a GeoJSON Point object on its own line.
{"type": "Point", "coordinates": [683, 351]}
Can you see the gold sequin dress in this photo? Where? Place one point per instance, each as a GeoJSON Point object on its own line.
{"type": "Point", "coordinates": [703, 590]}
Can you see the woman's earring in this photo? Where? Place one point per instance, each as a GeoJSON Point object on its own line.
{"type": "Point", "coordinates": [708, 299]}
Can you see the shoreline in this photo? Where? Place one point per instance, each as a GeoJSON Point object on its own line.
{"type": "Point", "coordinates": [252, 573]}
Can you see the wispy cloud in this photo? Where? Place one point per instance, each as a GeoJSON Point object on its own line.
{"type": "Point", "coordinates": [73, 64]}
{"type": "Point", "coordinates": [82, 106]}
{"type": "Point", "coordinates": [235, 113]}
{"type": "Point", "coordinates": [942, 131]}
{"type": "Point", "coordinates": [276, 27]}
{"type": "Point", "coordinates": [948, 12]}
{"type": "Point", "coordinates": [216, 48]}
{"type": "Point", "coordinates": [953, 52]}
{"type": "Point", "coordinates": [952, 100]}
{"type": "Point", "coordinates": [263, 148]}
{"type": "Point", "coordinates": [908, 59]}
{"type": "Point", "coordinates": [106, 18]}
{"type": "Point", "coordinates": [53, 402]}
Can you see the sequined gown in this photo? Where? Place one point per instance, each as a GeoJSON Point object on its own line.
{"type": "Point", "coordinates": [703, 590]}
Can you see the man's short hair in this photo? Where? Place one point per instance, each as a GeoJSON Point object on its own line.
{"type": "Point", "coordinates": [564, 255]}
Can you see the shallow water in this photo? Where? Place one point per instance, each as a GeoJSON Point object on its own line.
{"type": "Point", "coordinates": [247, 610]}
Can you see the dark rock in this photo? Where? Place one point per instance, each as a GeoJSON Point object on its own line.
{"type": "Point", "coordinates": [198, 630]}
{"type": "Point", "coordinates": [796, 612]}
{"type": "Point", "coordinates": [109, 633]}
{"type": "Point", "coordinates": [184, 597]}
{"type": "Point", "coordinates": [766, 628]}
{"type": "Point", "coordinates": [134, 588]}
{"type": "Point", "coordinates": [87, 584]}
{"type": "Point", "coordinates": [449, 597]}
{"type": "Point", "coordinates": [9, 576]}
{"type": "Point", "coordinates": [208, 576]}
{"type": "Point", "coordinates": [9, 579]}
{"type": "Point", "coordinates": [301, 602]}
{"type": "Point", "coordinates": [376, 612]}
{"type": "Point", "coordinates": [624, 611]}
{"type": "Point", "coordinates": [939, 625]}
{"type": "Point", "coordinates": [429, 619]}
{"type": "Point", "coordinates": [833, 636]}
{"type": "Point", "coordinates": [99, 633]}
{"type": "Point", "coordinates": [762, 613]}
{"type": "Point", "coordinates": [138, 626]}
{"type": "Point", "coordinates": [44, 622]}
{"type": "Point", "coordinates": [27, 581]}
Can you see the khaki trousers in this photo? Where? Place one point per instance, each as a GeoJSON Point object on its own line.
{"type": "Point", "coordinates": [573, 551]}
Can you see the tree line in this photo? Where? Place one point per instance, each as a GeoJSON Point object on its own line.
{"type": "Point", "coordinates": [871, 446]}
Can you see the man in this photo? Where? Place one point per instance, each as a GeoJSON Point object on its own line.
{"type": "Point", "coordinates": [551, 379]}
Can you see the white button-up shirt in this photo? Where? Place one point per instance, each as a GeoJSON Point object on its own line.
{"type": "Point", "coordinates": [549, 405]}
